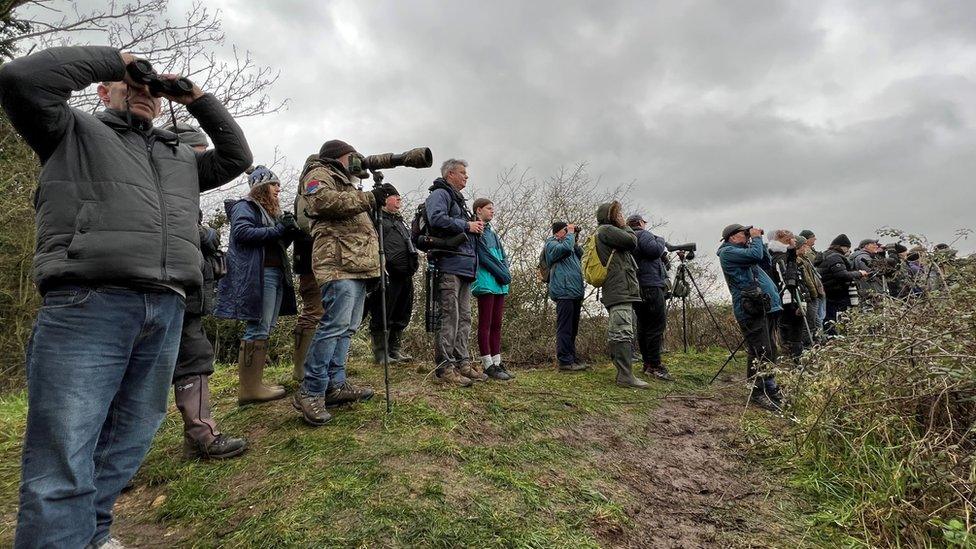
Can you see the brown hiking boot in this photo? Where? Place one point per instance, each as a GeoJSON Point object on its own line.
{"type": "Point", "coordinates": [312, 408]}
{"type": "Point", "coordinates": [347, 394]}
{"type": "Point", "coordinates": [451, 376]}
{"type": "Point", "coordinates": [471, 372]}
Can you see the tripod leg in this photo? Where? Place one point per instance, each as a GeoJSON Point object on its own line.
{"type": "Point", "coordinates": [684, 323]}
{"type": "Point", "coordinates": [727, 361]}
{"type": "Point", "coordinates": [711, 315]}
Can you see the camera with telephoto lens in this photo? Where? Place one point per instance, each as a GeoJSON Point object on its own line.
{"type": "Point", "coordinates": [420, 157]}
{"type": "Point", "coordinates": [143, 72]}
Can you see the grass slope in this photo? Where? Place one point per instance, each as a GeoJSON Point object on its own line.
{"type": "Point", "coordinates": [493, 465]}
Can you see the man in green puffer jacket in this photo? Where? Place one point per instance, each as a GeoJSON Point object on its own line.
{"type": "Point", "coordinates": [614, 243]}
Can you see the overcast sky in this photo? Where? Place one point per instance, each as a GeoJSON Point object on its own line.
{"type": "Point", "coordinates": [833, 116]}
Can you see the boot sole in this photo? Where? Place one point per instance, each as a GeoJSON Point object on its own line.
{"type": "Point", "coordinates": [629, 386]}
{"type": "Point", "coordinates": [249, 401]}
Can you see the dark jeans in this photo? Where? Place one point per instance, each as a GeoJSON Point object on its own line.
{"type": "Point", "coordinates": [567, 327]}
{"type": "Point", "coordinates": [196, 356]}
{"type": "Point", "coordinates": [652, 319]}
{"type": "Point", "coordinates": [399, 305]}
{"type": "Point", "coordinates": [490, 310]}
{"type": "Point", "coordinates": [99, 367]}
{"type": "Point", "coordinates": [761, 347]}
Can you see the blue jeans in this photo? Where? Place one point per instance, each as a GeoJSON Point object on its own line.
{"type": "Point", "coordinates": [325, 364]}
{"type": "Point", "coordinates": [273, 290]}
{"type": "Point", "coordinates": [99, 366]}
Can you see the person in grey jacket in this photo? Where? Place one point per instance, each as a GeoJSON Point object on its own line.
{"type": "Point", "coordinates": [117, 250]}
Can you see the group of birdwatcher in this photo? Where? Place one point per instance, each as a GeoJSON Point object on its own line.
{"type": "Point", "coordinates": [127, 271]}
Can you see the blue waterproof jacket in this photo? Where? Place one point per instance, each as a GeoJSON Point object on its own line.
{"type": "Point", "coordinates": [493, 275]}
{"type": "Point", "coordinates": [240, 291]}
{"type": "Point", "coordinates": [447, 213]}
{"type": "Point", "coordinates": [565, 269]}
{"type": "Point", "coordinates": [743, 266]}
{"type": "Point", "coordinates": [650, 249]}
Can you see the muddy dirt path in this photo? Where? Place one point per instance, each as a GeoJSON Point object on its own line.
{"type": "Point", "coordinates": [689, 476]}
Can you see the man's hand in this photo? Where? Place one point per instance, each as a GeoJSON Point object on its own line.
{"type": "Point", "coordinates": [184, 99]}
{"type": "Point", "coordinates": [476, 227]}
{"type": "Point", "coordinates": [864, 274]}
{"type": "Point", "coordinates": [755, 231]}
{"type": "Point", "coordinates": [571, 228]}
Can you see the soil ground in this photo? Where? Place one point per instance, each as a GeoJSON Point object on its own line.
{"type": "Point", "coordinates": [549, 460]}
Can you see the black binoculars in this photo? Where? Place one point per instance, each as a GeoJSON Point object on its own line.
{"type": "Point", "coordinates": [143, 72]}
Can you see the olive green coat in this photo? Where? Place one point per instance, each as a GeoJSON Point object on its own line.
{"type": "Point", "coordinates": [621, 285]}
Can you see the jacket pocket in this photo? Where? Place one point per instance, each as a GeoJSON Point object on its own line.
{"type": "Point", "coordinates": [357, 253]}
{"type": "Point", "coordinates": [86, 222]}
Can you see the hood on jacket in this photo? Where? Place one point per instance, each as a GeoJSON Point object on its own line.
{"type": "Point", "coordinates": [441, 183]}
{"type": "Point", "coordinates": [607, 213]}
{"type": "Point", "coordinates": [777, 247]}
{"type": "Point", "coordinates": [117, 120]}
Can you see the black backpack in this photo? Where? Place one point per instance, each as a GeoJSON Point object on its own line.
{"type": "Point", "coordinates": [420, 228]}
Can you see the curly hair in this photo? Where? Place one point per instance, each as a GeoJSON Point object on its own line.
{"type": "Point", "coordinates": [262, 195]}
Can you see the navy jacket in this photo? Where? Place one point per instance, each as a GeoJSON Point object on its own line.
{"type": "Point", "coordinates": [447, 213]}
{"type": "Point", "coordinates": [650, 249]}
{"type": "Point", "coordinates": [240, 292]}
{"type": "Point", "coordinates": [565, 269]}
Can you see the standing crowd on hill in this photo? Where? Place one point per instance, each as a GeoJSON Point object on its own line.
{"type": "Point", "coordinates": [127, 271]}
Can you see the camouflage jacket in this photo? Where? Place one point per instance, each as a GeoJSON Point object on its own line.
{"type": "Point", "coordinates": [345, 243]}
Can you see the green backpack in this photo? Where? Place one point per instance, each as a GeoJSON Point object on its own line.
{"type": "Point", "coordinates": [594, 271]}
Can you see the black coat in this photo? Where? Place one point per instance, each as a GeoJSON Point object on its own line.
{"type": "Point", "coordinates": [837, 274]}
{"type": "Point", "coordinates": [401, 254]}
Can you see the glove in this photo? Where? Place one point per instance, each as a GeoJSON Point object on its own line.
{"type": "Point", "coordinates": [289, 223]}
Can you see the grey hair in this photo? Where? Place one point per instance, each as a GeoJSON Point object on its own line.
{"type": "Point", "coordinates": [452, 164]}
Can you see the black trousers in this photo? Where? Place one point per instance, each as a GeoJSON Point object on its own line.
{"type": "Point", "coordinates": [834, 308]}
{"type": "Point", "coordinates": [399, 304]}
{"type": "Point", "coordinates": [196, 355]}
{"type": "Point", "coordinates": [567, 327]}
{"type": "Point", "coordinates": [760, 344]}
{"type": "Point", "coordinates": [652, 320]}
{"type": "Point", "coordinates": [792, 331]}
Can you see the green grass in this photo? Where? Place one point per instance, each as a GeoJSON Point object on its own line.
{"type": "Point", "coordinates": [492, 465]}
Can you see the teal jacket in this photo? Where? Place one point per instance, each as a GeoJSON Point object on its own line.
{"type": "Point", "coordinates": [743, 267]}
{"type": "Point", "coordinates": [493, 275]}
{"type": "Point", "coordinates": [565, 270]}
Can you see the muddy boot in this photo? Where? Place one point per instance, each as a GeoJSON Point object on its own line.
{"type": "Point", "coordinates": [621, 353]}
{"type": "Point", "coordinates": [251, 367]}
{"type": "Point", "coordinates": [347, 394]}
{"type": "Point", "coordinates": [201, 439]}
{"type": "Point", "coordinates": [449, 375]}
{"type": "Point", "coordinates": [760, 399]}
{"type": "Point", "coordinates": [396, 351]}
{"type": "Point", "coordinates": [471, 372]}
{"type": "Point", "coordinates": [659, 371]}
{"type": "Point", "coordinates": [378, 352]}
{"type": "Point", "coordinates": [311, 407]}
{"type": "Point", "coordinates": [303, 340]}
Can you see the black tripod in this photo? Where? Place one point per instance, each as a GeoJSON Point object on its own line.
{"type": "Point", "coordinates": [378, 220]}
{"type": "Point", "coordinates": [683, 274]}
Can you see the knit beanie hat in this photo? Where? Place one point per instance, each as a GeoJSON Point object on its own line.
{"type": "Point", "coordinates": [334, 149]}
{"type": "Point", "coordinates": [841, 240]}
{"type": "Point", "coordinates": [806, 233]}
{"type": "Point", "coordinates": [801, 240]}
{"type": "Point", "coordinates": [260, 175]}
{"type": "Point", "coordinates": [558, 226]}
